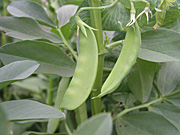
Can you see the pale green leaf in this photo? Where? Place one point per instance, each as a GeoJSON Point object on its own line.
{"type": "Point", "coordinates": [168, 77]}
{"type": "Point", "coordinates": [64, 14]}
{"type": "Point", "coordinates": [29, 9]}
{"type": "Point", "coordinates": [161, 45]}
{"type": "Point", "coordinates": [26, 29]}
{"type": "Point", "coordinates": [28, 109]}
{"type": "Point", "coordinates": [17, 70]}
{"type": "Point", "coordinates": [32, 84]}
{"type": "Point", "coordinates": [100, 124]}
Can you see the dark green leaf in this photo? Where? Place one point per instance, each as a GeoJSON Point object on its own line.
{"type": "Point", "coordinates": [29, 9]}
{"type": "Point", "coordinates": [169, 77]}
{"type": "Point", "coordinates": [170, 112]}
{"type": "Point", "coordinates": [144, 123]}
{"type": "Point", "coordinates": [100, 124]}
{"type": "Point", "coordinates": [26, 29]}
{"type": "Point", "coordinates": [127, 99]}
{"type": "Point", "coordinates": [161, 45]}
{"type": "Point", "coordinates": [140, 79]}
{"type": "Point", "coordinates": [27, 109]}
{"type": "Point", "coordinates": [52, 59]}
{"type": "Point", "coordinates": [111, 16]}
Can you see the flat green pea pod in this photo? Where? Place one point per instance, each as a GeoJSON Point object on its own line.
{"type": "Point", "coordinates": [126, 60]}
{"type": "Point", "coordinates": [85, 72]}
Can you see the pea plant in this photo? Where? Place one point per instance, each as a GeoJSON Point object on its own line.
{"type": "Point", "coordinates": [90, 67]}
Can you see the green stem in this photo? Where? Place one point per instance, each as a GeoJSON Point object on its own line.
{"type": "Point", "coordinates": [99, 7]}
{"type": "Point", "coordinates": [172, 93]}
{"type": "Point", "coordinates": [97, 24]}
{"type": "Point", "coordinates": [50, 91]}
{"type": "Point", "coordinates": [67, 128]}
{"type": "Point", "coordinates": [114, 44]}
{"type": "Point", "coordinates": [107, 69]}
{"type": "Point", "coordinates": [137, 107]}
{"type": "Point", "coordinates": [67, 44]}
{"type": "Point", "coordinates": [81, 113]}
{"type": "Point", "coordinates": [155, 85]}
{"type": "Point", "coordinates": [63, 85]}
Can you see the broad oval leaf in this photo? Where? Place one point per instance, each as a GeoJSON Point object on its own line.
{"type": "Point", "coordinates": [140, 79]}
{"type": "Point", "coordinates": [144, 123]}
{"type": "Point", "coordinates": [170, 112]}
{"type": "Point", "coordinates": [168, 77]}
{"type": "Point", "coordinates": [3, 122]}
{"type": "Point", "coordinates": [100, 124]}
{"type": "Point", "coordinates": [25, 29]}
{"type": "Point", "coordinates": [52, 59]}
{"type": "Point", "coordinates": [64, 13]}
{"type": "Point", "coordinates": [29, 9]}
{"type": "Point", "coordinates": [161, 45]}
{"type": "Point", "coordinates": [28, 109]}
{"type": "Point", "coordinates": [17, 70]}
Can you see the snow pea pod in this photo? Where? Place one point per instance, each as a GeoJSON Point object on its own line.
{"type": "Point", "coordinates": [126, 60]}
{"type": "Point", "coordinates": [85, 72]}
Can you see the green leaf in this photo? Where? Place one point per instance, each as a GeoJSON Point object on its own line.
{"type": "Point", "coordinates": [127, 99]}
{"type": "Point", "coordinates": [3, 84]}
{"type": "Point", "coordinates": [52, 59]}
{"type": "Point", "coordinates": [170, 112]}
{"type": "Point", "coordinates": [26, 29]}
{"type": "Point", "coordinates": [161, 45]}
{"type": "Point", "coordinates": [64, 14]}
{"type": "Point", "coordinates": [145, 123]}
{"type": "Point", "coordinates": [100, 124]}
{"type": "Point", "coordinates": [3, 122]}
{"type": "Point", "coordinates": [168, 77]}
{"type": "Point", "coordinates": [111, 16]}
{"type": "Point", "coordinates": [174, 98]}
{"type": "Point", "coordinates": [140, 79]}
{"type": "Point", "coordinates": [17, 70]}
{"type": "Point", "coordinates": [29, 9]}
{"type": "Point", "coordinates": [32, 84]}
{"type": "Point", "coordinates": [28, 109]}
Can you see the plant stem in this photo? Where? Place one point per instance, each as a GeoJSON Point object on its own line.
{"type": "Point", "coordinates": [67, 44]}
{"type": "Point", "coordinates": [114, 44]}
{"type": "Point", "coordinates": [81, 113]}
{"type": "Point", "coordinates": [93, 4]}
{"type": "Point", "coordinates": [50, 95]}
{"type": "Point", "coordinates": [97, 24]}
{"type": "Point", "coordinates": [137, 107]}
{"type": "Point", "coordinates": [107, 69]}
{"type": "Point", "coordinates": [63, 85]}
{"type": "Point", "coordinates": [67, 128]}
